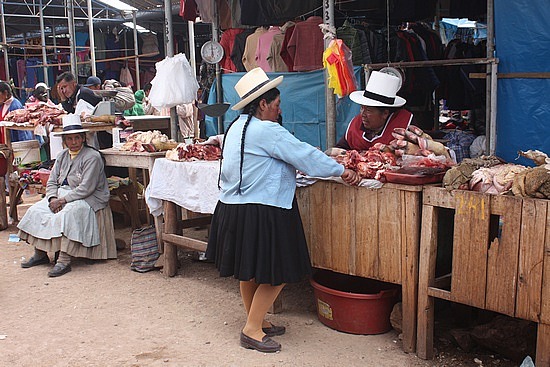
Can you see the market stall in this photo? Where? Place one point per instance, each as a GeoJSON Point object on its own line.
{"type": "Point", "coordinates": [500, 260]}
{"type": "Point", "coordinates": [371, 233]}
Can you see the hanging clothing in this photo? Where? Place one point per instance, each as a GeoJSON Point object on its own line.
{"type": "Point", "coordinates": [188, 10]}
{"type": "Point", "coordinates": [288, 59]}
{"type": "Point", "coordinates": [268, 12]}
{"type": "Point", "coordinates": [126, 77]}
{"type": "Point", "coordinates": [150, 43]}
{"type": "Point", "coordinates": [249, 54]}
{"type": "Point", "coordinates": [227, 41]}
{"type": "Point", "coordinates": [306, 45]}
{"type": "Point", "coordinates": [238, 48]}
{"type": "Point", "coordinates": [264, 47]}
{"type": "Point", "coordinates": [274, 59]}
{"type": "Point", "coordinates": [356, 41]}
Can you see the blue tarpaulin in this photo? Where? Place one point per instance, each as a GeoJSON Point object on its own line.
{"type": "Point", "coordinates": [522, 46]}
{"type": "Point", "coordinates": [302, 103]}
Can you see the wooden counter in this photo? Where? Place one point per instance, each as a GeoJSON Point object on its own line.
{"type": "Point", "coordinates": [371, 233]}
{"type": "Point", "coordinates": [500, 260]}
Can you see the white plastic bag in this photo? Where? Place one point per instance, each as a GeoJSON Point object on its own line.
{"type": "Point", "coordinates": [174, 83]}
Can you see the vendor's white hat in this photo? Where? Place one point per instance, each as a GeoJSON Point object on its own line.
{"type": "Point", "coordinates": [381, 91]}
{"type": "Point", "coordinates": [252, 85]}
{"type": "Point", "coordinates": [41, 84]}
{"type": "Point", "coordinates": [71, 125]}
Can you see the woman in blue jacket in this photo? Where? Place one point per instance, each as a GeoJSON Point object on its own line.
{"type": "Point", "coordinates": [257, 234]}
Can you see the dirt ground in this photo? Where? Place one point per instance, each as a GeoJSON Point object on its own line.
{"type": "Point", "coordinates": [104, 314]}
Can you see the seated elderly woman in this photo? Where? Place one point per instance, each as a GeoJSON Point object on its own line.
{"type": "Point", "coordinates": [74, 218]}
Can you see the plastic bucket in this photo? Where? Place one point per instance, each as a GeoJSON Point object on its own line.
{"type": "Point", "coordinates": [353, 304]}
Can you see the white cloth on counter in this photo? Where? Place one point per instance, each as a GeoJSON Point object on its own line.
{"type": "Point", "coordinates": [303, 180]}
{"type": "Point", "coordinates": [191, 185]}
{"type": "Point", "coordinates": [194, 185]}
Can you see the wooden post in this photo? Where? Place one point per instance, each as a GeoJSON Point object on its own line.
{"type": "Point", "coordinates": [3, 208]}
{"type": "Point", "coordinates": [170, 249]}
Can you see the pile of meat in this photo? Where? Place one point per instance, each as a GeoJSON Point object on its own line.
{"type": "Point", "coordinates": [492, 176]}
{"type": "Point", "coordinates": [148, 141]}
{"type": "Point", "coordinates": [367, 163]}
{"type": "Point", "coordinates": [40, 114]}
{"type": "Point", "coordinates": [193, 152]}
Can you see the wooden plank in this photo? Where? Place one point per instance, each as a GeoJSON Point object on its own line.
{"type": "Point", "coordinates": [437, 196]}
{"type": "Point", "coordinates": [543, 346]}
{"type": "Point", "coordinates": [439, 293]}
{"type": "Point", "coordinates": [321, 225]}
{"type": "Point", "coordinates": [426, 277]}
{"type": "Point", "coordinates": [342, 237]}
{"type": "Point", "coordinates": [531, 255]}
{"type": "Point", "coordinates": [366, 233]}
{"type": "Point", "coordinates": [470, 245]}
{"type": "Point", "coordinates": [302, 197]}
{"type": "Point", "coordinates": [410, 248]}
{"type": "Point", "coordinates": [545, 297]}
{"type": "Point", "coordinates": [186, 242]}
{"type": "Point", "coordinates": [3, 205]}
{"type": "Point", "coordinates": [389, 235]}
{"type": "Point", "coordinates": [502, 264]}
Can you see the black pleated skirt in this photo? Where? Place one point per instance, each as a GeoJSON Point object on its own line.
{"type": "Point", "coordinates": [260, 242]}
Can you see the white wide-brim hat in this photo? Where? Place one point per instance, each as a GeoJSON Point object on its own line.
{"type": "Point", "coordinates": [252, 85]}
{"type": "Point", "coordinates": [71, 125]}
{"type": "Point", "coordinates": [42, 84]}
{"type": "Point", "coordinates": [381, 91]}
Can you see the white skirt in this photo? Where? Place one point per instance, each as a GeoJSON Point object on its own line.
{"type": "Point", "coordinates": [76, 230]}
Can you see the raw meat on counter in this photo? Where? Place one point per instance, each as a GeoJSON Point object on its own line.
{"type": "Point", "coordinates": [193, 152]}
{"type": "Point", "coordinates": [40, 114]}
{"type": "Point", "coordinates": [495, 180]}
{"type": "Point", "coordinates": [148, 141]}
{"type": "Point", "coordinates": [367, 163]}
{"type": "Point", "coordinates": [534, 182]}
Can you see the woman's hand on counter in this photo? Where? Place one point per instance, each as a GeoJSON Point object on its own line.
{"type": "Point", "coordinates": [57, 204]}
{"type": "Point", "coordinates": [351, 177]}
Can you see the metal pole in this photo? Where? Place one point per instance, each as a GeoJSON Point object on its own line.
{"type": "Point", "coordinates": [136, 50]}
{"type": "Point", "coordinates": [490, 125]}
{"type": "Point", "coordinates": [43, 41]}
{"type": "Point", "coordinates": [330, 107]}
{"type": "Point", "coordinates": [191, 31]}
{"type": "Point", "coordinates": [70, 17]}
{"type": "Point", "coordinates": [91, 37]}
{"type": "Point", "coordinates": [168, 40]}
{"type": "Point", "coordinates": [493, 117]}
{"type": "Point", "coordinates": [5, 38]}
{"type": "Point", "coordinates": [219, 90]}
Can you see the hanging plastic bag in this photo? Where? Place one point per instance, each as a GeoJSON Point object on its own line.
{"type": "Point", "coordinates": [174, 83]}
{"type": "Point", "coordinates": [337, 59]}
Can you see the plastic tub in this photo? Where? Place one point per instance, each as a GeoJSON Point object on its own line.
{"type": "Point", "coordinates": [352, 304]}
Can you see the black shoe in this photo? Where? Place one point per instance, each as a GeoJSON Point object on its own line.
{"type": "Point", "coordinates": [34, 261]}
{"type": "Point", "coordinates": [274, 330]}
{"type": "Point", "coordinates": [59, 269]}
{"type": "Point", "coordinates": [267, 345]}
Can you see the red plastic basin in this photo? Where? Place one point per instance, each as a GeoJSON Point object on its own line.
{"type": "Point", "coordinates": [352, 304]}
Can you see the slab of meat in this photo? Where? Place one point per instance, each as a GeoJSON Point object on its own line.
{"type": "Point", "coordinates": [367, 163]}
{"type": "Point", "coordinates": [193, 152]}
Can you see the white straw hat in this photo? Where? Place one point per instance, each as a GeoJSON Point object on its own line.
{"type": "Point", "coordinates": [71, 125]}
{"type": "Point", "coordinates": [41, 84]}
{"type": "Point", "coordinates": [381, 91]}
{"type": "Point", "coordinates": [252, 85]}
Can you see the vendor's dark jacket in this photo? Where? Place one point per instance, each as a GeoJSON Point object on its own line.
{"type": "Point", "coordinates": [80, 92]}
{"type": "Point", "coordinates": [355, 137]}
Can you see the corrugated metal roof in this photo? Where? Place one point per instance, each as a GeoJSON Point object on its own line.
{"type": "Point", "coordinates": [22, 16]}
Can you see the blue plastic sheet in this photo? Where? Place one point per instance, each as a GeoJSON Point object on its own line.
{"type": "Point", "coordinates": [523, 45]}
{"type": "Point", "coordinates": [302, 103]}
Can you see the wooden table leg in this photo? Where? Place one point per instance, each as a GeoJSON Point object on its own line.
{"type": "Point", "coordinates": [170, 250]}
{"type": "Point", "coordinates": [16, 191]}
{"type": "Point", "coordinates": [3, 207]}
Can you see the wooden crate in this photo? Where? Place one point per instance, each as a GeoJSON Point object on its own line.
{"type": "Point", "coordinates": [500, 260]}
{"type": "Point", "coordinates": [372, 233]}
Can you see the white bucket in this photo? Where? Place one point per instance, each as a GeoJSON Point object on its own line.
{"type": "Point", "coordinates": [25, 152]}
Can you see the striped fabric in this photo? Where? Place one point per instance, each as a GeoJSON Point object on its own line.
{"type": "Point", "coordinates": [144, 249]}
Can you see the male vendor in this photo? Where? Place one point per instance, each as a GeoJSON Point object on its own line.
{"type": "Point", "coordinates": [381, 112]}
